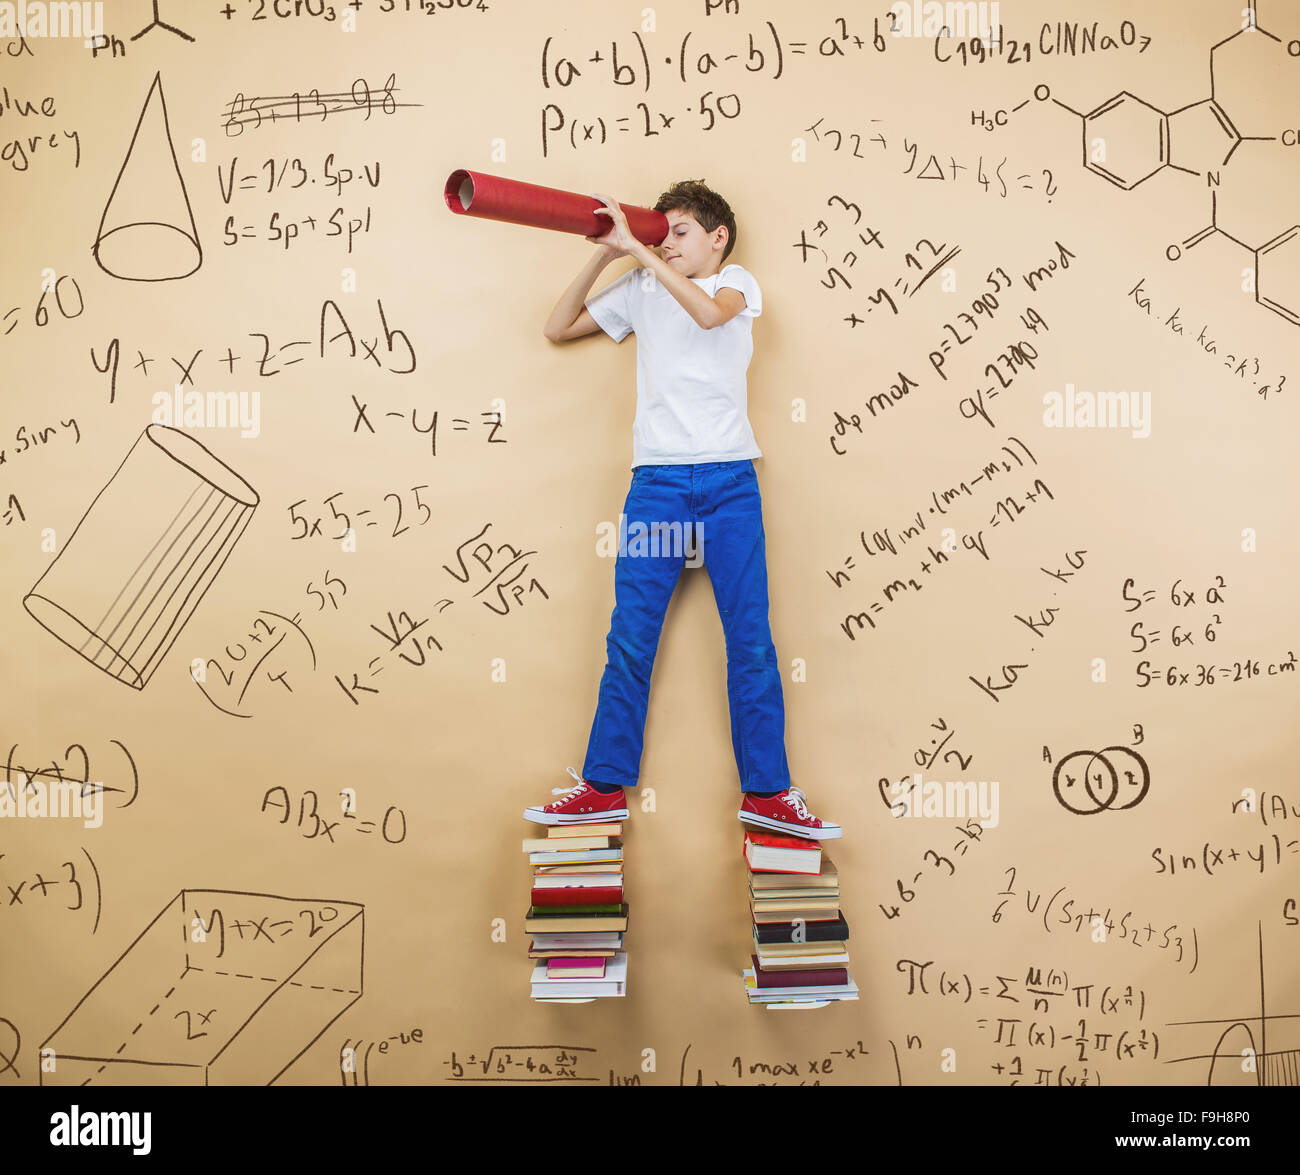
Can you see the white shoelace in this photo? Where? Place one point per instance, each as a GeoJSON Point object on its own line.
{"type": "Point", "coordinates": [795, 798]}
{"type": "Point", "coordinates": [564, 791]}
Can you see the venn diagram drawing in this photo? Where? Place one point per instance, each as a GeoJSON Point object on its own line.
{"type": "Point", "coordinates": [1113, 779]}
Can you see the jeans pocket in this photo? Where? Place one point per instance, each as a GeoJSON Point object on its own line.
{"type": "Point", "coordinates": [742, 473]}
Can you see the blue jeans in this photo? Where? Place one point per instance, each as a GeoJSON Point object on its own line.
{"type": "Point", "coordinates": [717, 505]}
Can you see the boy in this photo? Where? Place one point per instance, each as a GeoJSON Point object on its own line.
{"type": "Point", "coordinates": [692, 471]}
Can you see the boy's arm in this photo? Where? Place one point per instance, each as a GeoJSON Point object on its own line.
{"type": "Point", "coordinates": [708, 312]}
{"type": "Point", "coordinates": [730, 303]}
{"type": "Point", "coordinates": [571, 319]}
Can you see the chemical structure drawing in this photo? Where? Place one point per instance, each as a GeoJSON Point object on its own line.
{"type": "Point", "coordinates": [1126, 140]}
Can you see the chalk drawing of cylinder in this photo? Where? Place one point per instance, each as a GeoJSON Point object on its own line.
{"type": "Point", "coordinates": [147, 232]}
{"type": "Point", "coordinates": [132, 572]}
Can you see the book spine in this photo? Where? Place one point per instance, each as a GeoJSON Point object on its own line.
{"type": "Point", "coordinates": [536, 911]}
{"type": "Point", "coordinates": [597, 857]}
{"type": "Point", "coordinates": [782, 932]}
{"type": "Point", "coordinates": [578, 895]}
{"type": "Point", "coordinates": [799, 976]}
{"type": "Point", "coordinates": [771, 868]}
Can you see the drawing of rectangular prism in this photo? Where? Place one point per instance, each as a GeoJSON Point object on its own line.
{"type": "Point", "coordinates": [222, 988]}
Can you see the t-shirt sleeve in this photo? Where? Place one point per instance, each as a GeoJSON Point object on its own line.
{"type": "Point", "coordinates": [734, 277]}
{"type": "Point", "coordinates": [612, 307]}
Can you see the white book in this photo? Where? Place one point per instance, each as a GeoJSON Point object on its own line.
{"type": "Point", "coordinates": [574, 857]}
{"type": "Point", "coordinates": [603, 868]}
{"type": "Point", "coordinates": [548, 844]}
{"type": "Point", "coordinates": [774, 859]}
{"type": "Point", "coordinates": [579, 881]}
{"type": "Point", "coordinates": [579, 940]}
{"type": "Point", "coordinates": [614, 983]}
{"type": "Point", "coordinates": [828, 959]}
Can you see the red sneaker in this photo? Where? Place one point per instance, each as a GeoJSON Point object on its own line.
{"type": "Point", "coordinates": [785, 812]}
{"type": "Point", "coordinates": [582, 804]}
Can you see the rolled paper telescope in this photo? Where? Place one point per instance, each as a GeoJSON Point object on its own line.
{"type": "Point", "coordinates": [148, 547]}
{"type": "Point", "coordinates": [471, 193]}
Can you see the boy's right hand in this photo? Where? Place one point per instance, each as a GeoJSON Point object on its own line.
{"type": "Point", "coordinates": [618, 240]}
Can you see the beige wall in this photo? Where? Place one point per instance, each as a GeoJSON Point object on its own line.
{"type": "Point", "coordinates": [1205, 500]}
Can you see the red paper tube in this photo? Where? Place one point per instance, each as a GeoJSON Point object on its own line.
{"type": "Point", "coordinates": [471, 193]}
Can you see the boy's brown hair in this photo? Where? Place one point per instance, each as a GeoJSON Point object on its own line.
{"type": "Point", "coordinates": [708, 208]}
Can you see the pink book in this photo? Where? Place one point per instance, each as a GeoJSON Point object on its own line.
{"type": "Point", "coordinates": [585, 967]}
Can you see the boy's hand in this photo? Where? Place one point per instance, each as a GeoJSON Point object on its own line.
{"type": "Point", "coordinates": [619, 238]}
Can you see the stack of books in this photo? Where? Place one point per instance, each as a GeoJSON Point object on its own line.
{"type": "Point", "coordinates": [800, 954]}
{"type": "Point", "coordinates": [577, 917]}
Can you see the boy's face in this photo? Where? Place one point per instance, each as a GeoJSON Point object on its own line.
{"type": "Point", "coordinates": [688, 248]}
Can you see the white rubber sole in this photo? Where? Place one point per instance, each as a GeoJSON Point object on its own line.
{"type": "Point", "coordinates": [790, 829]}
{"type": "Point", "coordinates": [537, 816]}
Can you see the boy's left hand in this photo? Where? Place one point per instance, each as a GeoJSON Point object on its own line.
{"type": "Point", "coordinates": [619, 235]}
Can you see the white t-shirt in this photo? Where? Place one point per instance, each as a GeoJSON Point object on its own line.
{"type": "Point", "coordinates": [691, 395]}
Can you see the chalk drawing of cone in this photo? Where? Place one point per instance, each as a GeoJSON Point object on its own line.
{"type": "Point", "coordinates": [147, 232]}
{"type": "Point", "coordinates": [147, 549]}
